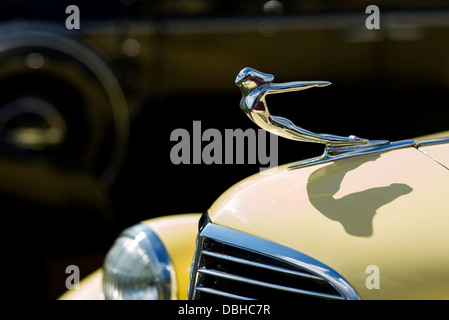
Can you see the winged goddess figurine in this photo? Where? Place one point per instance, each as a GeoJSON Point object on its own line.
{"type": "Point", "coordinates": [255, 86]}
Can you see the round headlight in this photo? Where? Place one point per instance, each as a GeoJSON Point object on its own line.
{"type": "Point", "coordinates": [138, 267]}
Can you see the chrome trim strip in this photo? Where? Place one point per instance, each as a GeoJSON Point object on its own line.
{"type": "Point", "coordinates": [221, 293]}
{"type": "Point", "coordinates": [260, 265]}
{"type": "Point", "coordinates": [329, 156]}
{"type": "Point", "coordinates": [431, 142]}
{"type": "Point", "coordinates": [258, 283]}
{"type": "Point", "coordinates": [156, 251]}
{"type": "Point", "coordinates": [359, 151]}
{"type": "Point", "coordinates": [268, 248]}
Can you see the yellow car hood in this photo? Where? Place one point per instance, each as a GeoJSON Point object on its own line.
{"type": "Point", "coordinates": [387, 209]}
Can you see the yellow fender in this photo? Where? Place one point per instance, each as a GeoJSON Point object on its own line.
{"type": "Point", "coordinates": [178, 234]}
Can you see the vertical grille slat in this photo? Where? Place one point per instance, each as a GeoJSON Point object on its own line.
{"type": "Point", "coordinates": [231, 265]}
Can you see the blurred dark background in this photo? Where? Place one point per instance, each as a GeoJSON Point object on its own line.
{"type": "Point", "coordinates": [86, 114]}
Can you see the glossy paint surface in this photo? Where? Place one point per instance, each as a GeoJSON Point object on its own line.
{"type": "Point", "coordinates": [178, 234]}
{"type": "Point", "coordinates": [390, 210]}
{"type": "Point", "coordinates": [437, 152]}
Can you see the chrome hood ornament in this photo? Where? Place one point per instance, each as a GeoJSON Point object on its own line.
{"type": "Point", "coordinates": [255, 86]}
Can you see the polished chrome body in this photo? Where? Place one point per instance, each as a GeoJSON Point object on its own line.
{"type": "Point", "coordinates": [255, 86]}
{"type": "Point", "coordinates": [231, 264]}
{"type": "Point", "coordinates": [431, 142]}
{"type": "Point", "coordinates": [332, 154]}
{"type": "Point", "coordinates": [369, 148]}
{"type": "Point", "coordinates": [156, 251]}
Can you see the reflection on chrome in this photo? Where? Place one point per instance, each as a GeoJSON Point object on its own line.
{"type": "Point", "coordinates": [232, 264]}
{"type": "Point", "coordinates": [255, 86]}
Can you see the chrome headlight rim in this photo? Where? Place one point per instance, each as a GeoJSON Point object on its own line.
{"type": "Point", "coordinates": [159, 261]}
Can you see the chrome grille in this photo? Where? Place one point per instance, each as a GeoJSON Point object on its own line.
{"type": "Point", "coordinates": [232, 265]}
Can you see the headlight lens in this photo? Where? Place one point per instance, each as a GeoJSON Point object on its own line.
{"type": "Point", "coordinates": [138, 267]}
